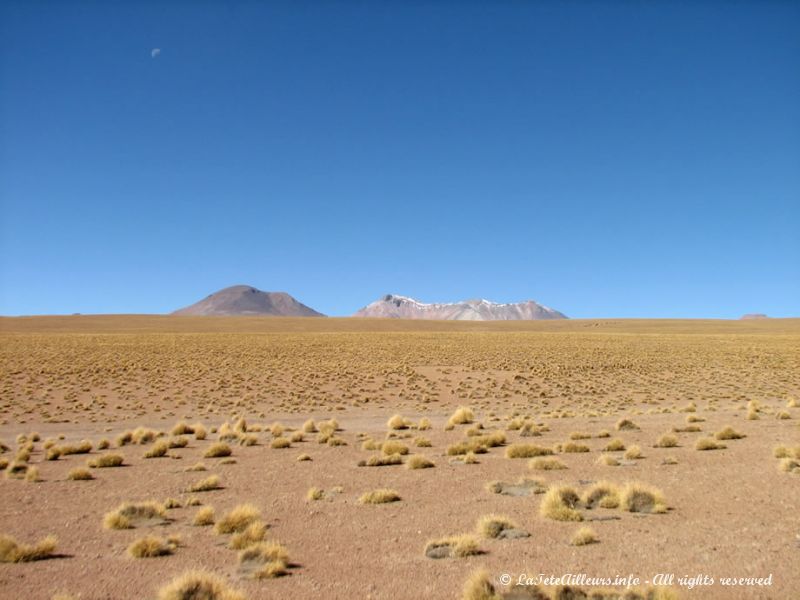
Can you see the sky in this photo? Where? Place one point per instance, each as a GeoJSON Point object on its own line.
{"type": "Point", "coordinates": [607, 159]}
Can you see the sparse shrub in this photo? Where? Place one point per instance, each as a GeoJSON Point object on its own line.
{"type": "Point", "coordinates": [150, 547]}
{"type": "Point", "coordinates": [462, 416]}
{"type": "Point", "coordinates": [182, 428]}
{"type": "Point", "coordinates": [105, 461]}
{"type": "Point", "coordinates": [303, 457]}
{"type": "Point", "coordinates": [381, 461]}
{"type": "Point", "coordinates": [472, 445]}
{"type": "Point", "coordinates": [157, 450]}
{"type": "Point", "coordinates": [196, 468]}
{"type": "Point", "coordinates": [314, 494]}
{"type": "Point", "coordinates": [238, 519]}
{"type": "Point", "coordinates": [198, 585]}
{"type": "Point", "coordinates": [296, 437]}
{"type": "Point", "coordinates": [422, 442]}
{"type": "Point", "coordinates": [80, 474]}
{"type": "Point", "coordinates": [397, 422]}
{"type": "Point", "coordinates": [32, 474]}
{"type": "Point", "coordinates": [546, 464]}
{"type": "Point", "coordinates": [457, 546]}
{"type": "Point", "coordinates": [491, 526]}
{"type": "Point", "coordinates": [572, 448]}
{"type": "Point", "coordinates": [560, 504]}
{"type": "Point", "coordinates": [728, 433]}
{"type": "Point", "coordinates": [280, 443]}
{"type": "Point", "coordinates": [603, 494]}
{"type": "Point", "coordinates": [615, 445]}
{"type": "Point", "coordinates": [584, 536]}
{"type": "Point", "coordinates": [479, 587]}
{"type": "Point", "coordinates": [424, 424]}
{"type": "Point", "coordinates": [636, 497]}
{"type": "Point", "coordinates": [708, 444]}
{"type": "Point", "coordinates": [200, 432]}
{"type": "Point", "coordinates": [667, 440]}
{"type": "Point", "coordinates": [626, 425]}
{"type": "Point", "coordinates": [82, 447]}
{"type": "Point", "coordinates": [252, 534]}
{"type": "Point", "coordinates": [171, 503]}
{"type": "Point", "coordinates": [11, 551]}
{"type": "Point", "coordinates": [526, 451]}
{"type": "Point", "coordinates": [270, 557]}
{"type": "Point", "coordinates": [634, 453]}
{"type": "Point", "coordinates": [789, 465]}
{"type": "Point", "coordinates": [580, 435]}
{"type": "Point", "coordinates": [218, 450]}
{"type": "Point", "coordinates": [204, 517]}
{"type": "Point", "coordinates": [309, 426]}
{"type": "Point", "coordinates": [178, 442]}
{"type": "Point", "coordinates": [130, 514]}
{"type": "Point", "coordinates": [381, 496]}
{"type": "Point", "coordinates": [393, 447]}
{"type": "Point", "coordinates": [418, 461]}
{"type": "Point", "coordinates": [206, 485]}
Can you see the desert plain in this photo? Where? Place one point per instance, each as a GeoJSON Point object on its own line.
{"type": "Point", "coordinates": [311, 458]}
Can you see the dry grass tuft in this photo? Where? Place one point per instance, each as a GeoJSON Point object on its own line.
{"type": "Point", "coordinates": [462, 416]}
{"type": "Point", "coordinates": [11, 551]}
{"type": "Point", "coordinates": [218, 450]}
{"type": "Point", "coordinates": [393, 447]}
{"type": "Point", "coordinates": [626, 425]}
{"type": "Point", "coordinates": [418, 461]}
{"type": "Point", "coordinates": [206, 485]}
{"type": "Point", "coordinates": [728, 433]}
{"type": "Point", "coordinates": [527, 451]}
{"type": "Point", "coordinates": [708, 444]}
{"type": "Point", "coordinates": [204, 517]}
{"type": "Point", "coordinates": [381, 461]}
{"type": "Point", "coordinates": [314, 493]}
{"type": "Point", "coordinates": [639, 498]}
{"type": "Point", "coordinates": [559, 504]}
{"type": "Point", "coordinates": [106, 461]}
{"type": "Point", "coordinates": [584, 536]}
{"type": "Point", "coordinates": [667, 440]}
{"type": "Point", "coordinates": [542, 463]}
{"type": "Point", "coordinates": [157, 450]}
{"type": "Point", "coordinates": [603, 493]}
{"type": "Point", "coordinates": [491, 526]}
{"type": "Point", "coordinates": [238, 519]}
{"type": "Point", "coordinates": [80, 474]}
{"type": "Point", "coordinates": [397, 422]}
{"type": "Point", "coordinates": [150, 547]}
{"type": "Point", "coordinates": [198, 585]}
{"type": "Point", "coordinates": [573, 448]}
{"type": "Point", "coordinates": [269, 558]}
{"type": "Point", "coordinates": [634, 453]}
{"type": "Point", "coordinates": [130, 514]}
{"type": "Point", "coordinates": [381, 496]}
{"type": "Point", "coordinates": [479, 587]}
{"type": "Point", "coordinates": [615, 445]}
{"type": "Point", "coordinates": [457, 546]}
{"type": "Point", "coordinates": [280, 443]}
{"type": "Point", "coordinates": [253, 533]}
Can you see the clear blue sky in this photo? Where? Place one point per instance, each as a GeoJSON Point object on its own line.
{"type": "Point", "coordinates": [626, 159]}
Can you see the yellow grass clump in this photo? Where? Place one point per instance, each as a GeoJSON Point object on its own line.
{"type": "Point", "coordinates": [584, 536]}
{"type": "Point", "coordinates": [418, 461]}
{"type": "Point", "coordinates": [130, 514]}
{"type": "Point", "coordinates": [457, 546]}
{"type": "Point", "coordinates": [11, 551]}
{"type": "Point", "coordinates": [105, 461]}
{"type": "Point", "coordinates": [527, 451]}
{"type": "Point", "coordinates": [206, 485]}
{"type": "Point", "coordinates": [80, 474]}
{"type": "Point", "coordinates": [479, 587]}
{"type": "Point", "coordinates": [543, 463]}
{"type": "Point", "coordinates": [462, 416]}
{"type": "Point", "coordinates": [270, 559]}
{"type": "Point", "coordinates": [198, 585]}
{"type": "Point", "coordinates": [603, 493]}
{"type": "Point", "coordinates": [708, 444]}
{"type": "Point", "coordinates": [204, 517]}
{"type": "Point", "coordinates": [252, 534]}
{"type": "Point", "coordinates": [560, 504]}
{"type": "Point", "coordinates": [218, 450]}
{"type": "Point", "coordinates": [728, 433]}
{"type": "Point", "coordinates": [640, 498]}
{"type": "Point", "coordinates": [150, 547]}
{"type": "Point", "coordinates": [491, 526]}
{"type": "Point", "coordinates": [238, 519]}
{"type": "Point", "coordinates": [380, 496]}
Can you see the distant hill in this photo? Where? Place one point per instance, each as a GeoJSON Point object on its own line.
{"type": "Point", "coordinates": [753, 316]}
{"type": "Point", "coordinates": [245, 300]}
{"type": "Point", "coordinates": [402, 307]}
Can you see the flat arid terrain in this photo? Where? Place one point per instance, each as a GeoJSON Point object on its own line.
{"type": "Point", "coordinates": [310, 458]}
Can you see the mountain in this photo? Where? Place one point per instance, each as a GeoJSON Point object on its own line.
{"type": "Point", "coordinates": [401, 307]}
{"type": "Point", "coordinates": [247, 300]}
{"type": "Point", "coordinates": [753, 317]}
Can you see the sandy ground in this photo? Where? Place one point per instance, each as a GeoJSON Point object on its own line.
{"type": "Point", "coordinates": [732, 512]}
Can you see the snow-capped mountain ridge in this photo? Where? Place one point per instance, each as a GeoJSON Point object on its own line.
{"type": "Point", "coordinates": [396, 306]}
